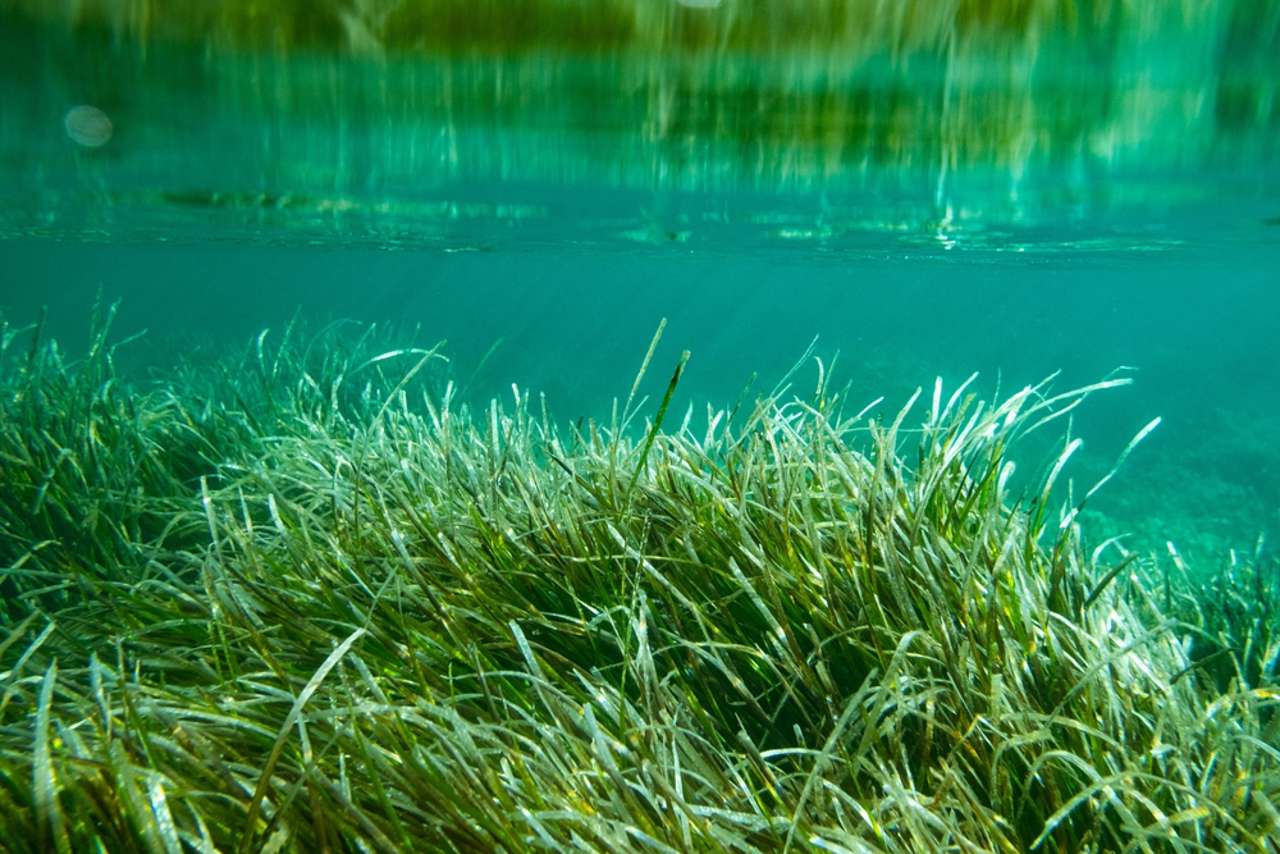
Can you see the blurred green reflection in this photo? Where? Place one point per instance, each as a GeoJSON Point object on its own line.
{"type": "Point", "coordinates": [824, 123]}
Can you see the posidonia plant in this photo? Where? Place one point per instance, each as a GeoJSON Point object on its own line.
{"type": "Point", "coordinates": [311, 601]}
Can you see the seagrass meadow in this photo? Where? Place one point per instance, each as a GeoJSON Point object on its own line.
{"type": "Point", "coordinates": [343, 507]}
{"type": "Point", "coordinates": [305, 599]}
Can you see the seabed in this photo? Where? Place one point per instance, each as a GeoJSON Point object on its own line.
{"type": "Point", "coordinates": [304, 599]}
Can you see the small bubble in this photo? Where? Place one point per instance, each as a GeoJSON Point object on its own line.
{"type": "Point", "coordinates": [699, 4]}
{"type": "Point", "coordinates": [88, 126]}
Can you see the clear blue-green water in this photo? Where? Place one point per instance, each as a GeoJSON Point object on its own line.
{"type": "Point", "coordinates": [1014, 208]}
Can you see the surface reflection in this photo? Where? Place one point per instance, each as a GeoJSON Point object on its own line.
{"type": "Point", "coordinates": [973, 125]}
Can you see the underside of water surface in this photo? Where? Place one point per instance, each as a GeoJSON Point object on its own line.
{"type": "Point", "coordinates": [691, 425]}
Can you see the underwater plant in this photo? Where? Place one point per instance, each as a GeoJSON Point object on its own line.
{"type": "Point", "coordinates": [308, 599]}
{"type": "Point", "coordinates": [1231, 617]}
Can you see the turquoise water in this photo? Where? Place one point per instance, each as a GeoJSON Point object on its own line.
{"type": "Point", "coordinates": [1016, 209]}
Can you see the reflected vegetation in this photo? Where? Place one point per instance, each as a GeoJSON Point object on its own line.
{"type": "Point", "coordinates": [925, 124]}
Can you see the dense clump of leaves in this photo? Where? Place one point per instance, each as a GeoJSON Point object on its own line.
{"type": "Point", "coordinates": [310, 601]}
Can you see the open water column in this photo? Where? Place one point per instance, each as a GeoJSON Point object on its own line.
{"type": "Point", "coordinates": [654, 425]}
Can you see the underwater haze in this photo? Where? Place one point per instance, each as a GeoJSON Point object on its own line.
{"type": "Point", "coordinates": [879, 196]}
